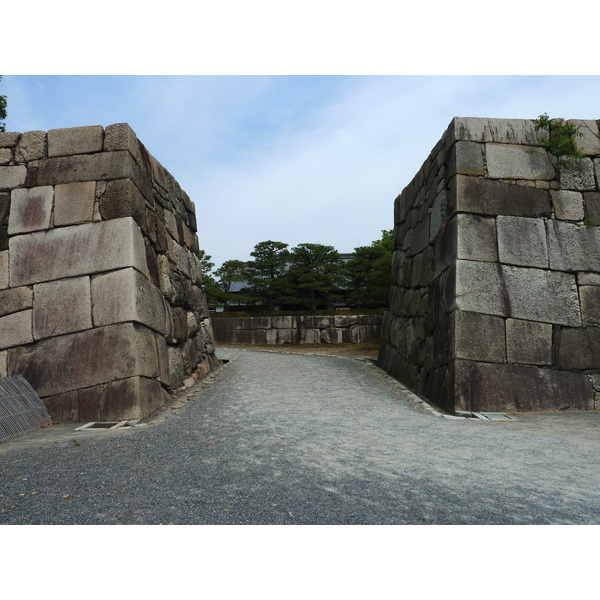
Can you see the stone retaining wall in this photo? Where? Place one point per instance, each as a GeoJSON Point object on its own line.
{"type": "Point", "coordinates": [495, 295]}
{"type": "Point", "coordinates": [101, 302]}
{"type": "Point", "coordinates": [301, 329]}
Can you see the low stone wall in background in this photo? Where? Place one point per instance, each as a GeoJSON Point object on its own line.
{"type": "Point", "coordinates": [101, 304]}
{"type": "Point", "coordinates": [301, 329]}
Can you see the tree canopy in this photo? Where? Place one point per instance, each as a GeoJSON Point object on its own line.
{"type": "Point", "coordinates": [3, 105]}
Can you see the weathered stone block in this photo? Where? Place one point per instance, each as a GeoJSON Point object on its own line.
{"type": "Point", "coordinates": [467, 158]}
{"type": "Point", "coordinates": [315, 321]}
{"type": "Point", "coordinates": [588, 278]}
{"type": "Point", "coordinates": [345, 320]}
{"type": "Point", "coordinates": [590, 305]}
{"type": "Point", "coordinates": [488, 197]}
{"type": "Point", "coordinates": [522, 241]}
{"type": "Point", "coordinates": [127, 295]}
{"type": "Point", "coordinates": [479, 337]}
{"type": "Point", "coordinates": [580, 176]}
{"type": "Point", "coordinates": [309, 336]}
{"type": "Point", "coordinates": [122, 199]}
{"type": "Point", "coordinates": [476, 238]}
{"type": "Point", "coordinates": [578, 349]}
{"type": "Point", "coordinates": [279, 336]}
{"type": "Point", "coordinates": [528, 342]}
{"type": "Point", "coordinates": [16, 329]}
{"type": "Point", "coordinates": [192, 324]}
{"type": "Point", "coordinates": [592, 208]}
{"type": "Point", "coordinates": [335, 335]}
{"type": "Point", "coordinates": [282, 322]}
{"type": "Point", "coordinates": [3, 364]}
{"type": "Point", "coordinates": [6, 156]}
{"type": "Point", "coordinates": [568, 205]}
{"type": "Point", "coordinates": [573, 247]}
{"type": "Point", "coordinates": [30, 209]}
{"type": "Point", "coordinates": [9, 139]}
{"type": "Point", "coordinates": [502, 131]}
{"type": "Point", "coordinates": [62, 306]}
{"type": "Point", "coordinates": [32, 146]}
{"type": "Point", "coordinates": [589, 141]}
{"type": "Point", "coordinates": [74, 203]}
{"type": "Point", "coordinates": [521, 293]}
{"type": "Point", "coordinates": [15, 299]}
{"type": "Point", "coordinates": [505, 161]}
{"type": "Point", "coordinates": [495, 387]}
{"type": "Point", "coordinates": [75, 140]}
{"type": "Point", "coordinates": [365, 334]}
{"type": "Point", "coordinates": [80, 360]}
{"type": "Point", "coordinates": [76, 250]}
{"type": "Point", "coordinates": [12, 177]}
{"type": "Point", "coordinates": [3, 269]}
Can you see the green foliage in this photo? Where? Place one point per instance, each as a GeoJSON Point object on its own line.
{"type": "Point", "coordinates": [560, 140]}
{"type": "Point", "coordinates": [267, 273]}
{"type": "Point", "coordinates": [3, 104]}
{"type": "Point", "coordinates": [214, 294]}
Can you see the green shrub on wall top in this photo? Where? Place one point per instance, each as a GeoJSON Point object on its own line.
{"type": "Point", "coordinates": [561, 139]}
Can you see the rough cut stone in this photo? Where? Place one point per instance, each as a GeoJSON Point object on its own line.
{"type": "Point", "coordinates": [476, 238]}
{"type": "Point", "coordinates": [16, 329]}
{"type": "Point", "coordinates": [437, 218]}
{"type": "Point", "coordinates": [32, 146]}
{"type": "Point", "coordinates": [522, 293]}
{"type": "Point", "coordinates": [578, 349]}
{"type": "Point", "coordinates": [77, 250]}
{"type": "Point", "coordinates": [122, 199]}
{"type": "Point", "coordinates": [3, 364]}
{"type": "Point", "coordinates": [74, 203]}
{"type": "Point", "coordinates": [522, 241]}
{"type": "Point", "coordinates": [580, 176]}
{"type": "Point", "coordinates": [573, 247]}
{"type": "Point", "coordinates": [282, 322]}
{"type": "Point", "coordinates": [568, 205]}
{"type": "Point", "coordinates": [345, 320]}
{"type": "Point", "coordinates": [503, 131]}
{"type": "Point", "coordinates": [335, 335]}
{"type": "Point", "coordinates": [9, 139]}
{"type": "Point", "coordinates": [12, 177]}
{"type": "Point", "coordinates": [588, 278]}
{"type": "Point", "coordinates": [80, 360]}
{"type": "Point", "coordinates": [30, 209]}
{"type": "Point", "coordinates": [592, 207]}
{"type": "Point", "coordinates": [589, 141]}
{"type": "Point", "coordinates": [528, 342]}
{"type": "Point", "coordinates": [479, 337]}
{"type": "Point", "coordinates": [466, 158]}
{"type": "Point", "coordinates": [62, 306]}
{"type": "Point", "coordinates": [495, 387]}
{"type": "Point", "coordinates": [14, 300]}
{"type": "Point", "coordinates": [75, 140]}
{"type": "Point", "coordinates": [6, 156]}
{"type": "Point", "coordinates": [590, 305]}
{"type": "Point", "coordinates": [3, 269]}
{"type": "Point", "coordinates": [505, 161]}
{"type": "Point", "coordinates": [127, 295]}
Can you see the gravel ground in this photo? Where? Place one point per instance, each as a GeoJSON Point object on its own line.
{"type": "Point", "coordinates": [277, 438]}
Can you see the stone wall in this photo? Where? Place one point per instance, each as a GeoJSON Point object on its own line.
{"type": "Point", "coordinates": [101, 303]}
{"type": "Point", "coordinates": [495, 295]}
{"type": "Point", "coordinates": [301, 329]}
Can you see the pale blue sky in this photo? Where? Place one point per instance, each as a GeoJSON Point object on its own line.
{"type": "Point", "coordinates": [290, 158]}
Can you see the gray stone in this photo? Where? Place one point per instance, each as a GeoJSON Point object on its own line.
{"type": "Point", "coordinates": [279, 336]}
{"type": "Point", "coordinates": [9, 139]}
{"type": "Point", "coordinates": [568, 205]}
{"type": "Point", "coordinates": [467, 158]}
{"type": "Point", "coordinates": [164, 278]}
{"type": "Point", "coordinates": [345, 320]}
{"type": "Point", "coordinates": [3, 364]}
{"type": "Point", "coordinates": [489, 197]}
{"type": "Point", "coordinates": [61, 307]}
{"type": "Point", "coordinates": [579, 176]}
{"type": "Point", "coordinates": [74, 203]}
{"type": "Point", "coordinates": [364, 334]}
{"type": "Point", "coordinates": [192, 323]}
{"type": "Point", "coordinates": [505, 161]}
{"type": "Point", "coordinates": [522, 241]}
{"type": "Point", "coordinates": [438, 214]}
{"type": "Point", "coordinates": [310, 336]}
{"type": "Point", "coordinates": [76, 250]}
{"type": "Point", "coordinates": [30, 209]}
{"type": "Point", "coordinates": [479, 337]}
{"type": "Point", "coordinates": [573, 247]}
{"type": "Point", "coordinates": [32, 146]}
{"type": "Point", "coordinates": [171, 224]}
{"type": "Point", "coordinates": [122, 199]}
{"type": "Point", "coordinates": [589, 141]}
{"type": "Point", "coordinates": [12, 177]}
{"type": "Point", "coordinates": [282, 322]}
{"type": "Point", "coordinates": [590, 305]}
{"type": "Point", "coordinates": [3, 269]}
{"type": "Point", "coordinates": [6, 156]}
{"type": "Point", "coordinates": [16, 329]}
{"type": "Point", "coordinates": [75, 140]}
{"type": "Point", "coordinates": [503, 131]}
{"type": "Point", "coordinates": [14, 300]}
{"type": "Point", "coordinates": [578, 349]}
{"type": "Point", "coordinates": [476, 238]}
{"type": "Point", "coordinates": [127, 295]}
{"type": "Point", "coordinates": [528, 342]}
{"type": "Point", "coordinates": [588, 278]}
{"type": "Point", "coordinates": [316, 321]}
{"type": "Point", "coordinates": [335, 335]}
{"type": "Point", "coordinates": [521, 293]}
{"type": "Point", "coordinates": [592, 208]}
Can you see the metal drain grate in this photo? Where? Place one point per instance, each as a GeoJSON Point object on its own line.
{"type": "Point", "coordinates": [21, 409]}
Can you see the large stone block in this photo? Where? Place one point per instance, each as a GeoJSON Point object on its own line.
{"type": "Point", "coordinates": [528, 342]}
{"type": "Point", "coordinates": [489, 197]}
{"type": "Point", "coordinates": [335, 335]}
{"type": "Point", "coordinates": [62, 306]}
{"type": "Point", "coordinates": [568, 205]}
{"type": "Point", "coordinates": [12, 177]}
{"type": "Point", "coordinates": [521, 293]}
{"type": "Point", "coordinates": [466, 158]}
{"type": "Point", "coordinates": [592, 207]}
{"type": "Point", "coordinates": [3, 364]}
{"type": "Point", "coordinates": [522, 241]}
{"type": "Point", "coordinates": [16, 329]}
{"type": "Point", "coordinates": [74, 203]}
{"type": "Point", "coordinates": [345, 320]}
{"type": "Point", "coordinates": [4, 269]}
{"type": "Point", "coordinates": [589, 140]}
{"type": "Point", "coordinates": [30, 209]}
{"type": "Point", "coordinates": [476, 238]}
{"type": "Point", "coordinates": [31, 146]}
{"type": "Point", "coordinates": [6, 156]}
{"type": "Point", "coordinates": [122, 199]}
{"type": "Point", "coordinates": [13, 300]}
{"type": "Point", "coordinates": [579, 176]}
{"type": "Point", "coordinates": [79, 360]}
{"type": "Point", "coordinates": [502, 131]}
{"type": "Point", "coordinates": [578, 349]}
{"type": "Point", "coordinates": [280, 336]}
{"type": "Point", "coordinates": [573, 247]}
{"type": "Point", "coordinates": [77, 250]}
{"type": "Point", "coordinates": [505, 161]}
{"type": "Point", "coordinates": [495, 387]}
{"type": "Point", "coordinates": [590, 305]}
{"type": "Point", "coordinates": [9, 139]}
{"type": "Point", "coordinates": [479, 337]}
{"type": "Point", "coordinates": [365, 334]}
{"type": "Point", "coordinates": [127, 295]}
{"type": "Point", "coordinates": [75, 140]}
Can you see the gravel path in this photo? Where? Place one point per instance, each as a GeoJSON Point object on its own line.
{"type": "Point", "coordinates": [277, 438]}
